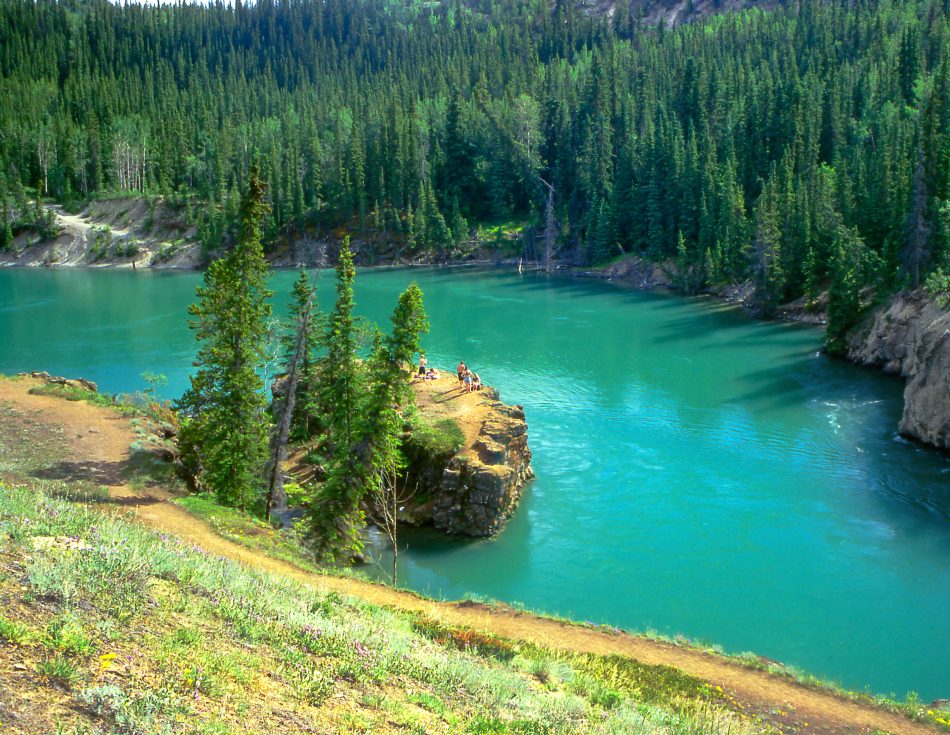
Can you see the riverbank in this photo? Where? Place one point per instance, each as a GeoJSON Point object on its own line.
{"type": "Point", "coordinates": [908, 337]}
{"type": "Point", "coordinates": [48, 443]}
{"type": "Point", "coordinates": [925, 420]}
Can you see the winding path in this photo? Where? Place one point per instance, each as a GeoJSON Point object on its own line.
{"type": "Point", "coordinates": [99, 438]}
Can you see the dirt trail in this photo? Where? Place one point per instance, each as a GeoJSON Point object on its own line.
{"type": "Point", "coordinates": [100, 438]}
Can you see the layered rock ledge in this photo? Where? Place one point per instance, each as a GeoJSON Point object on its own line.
{"type": "Point", "coordinates": [475, 490]}
{"type": "Point", "coordinates": [911, 337]}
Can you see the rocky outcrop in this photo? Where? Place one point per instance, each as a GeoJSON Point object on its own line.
{"type": "Point", "coordinates": [634, 271]}
{"type": "Point", "coordinates": [911, 337]}
{"type": "Point", "coordinates": [80, 383]}
{"type": "Point", "coordinates": [480, 489]}
{"type": "Point", "coordinates": [475, 490]}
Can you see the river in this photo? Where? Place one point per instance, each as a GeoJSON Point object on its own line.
{"type": "Point", "coordinates": [698, 472]}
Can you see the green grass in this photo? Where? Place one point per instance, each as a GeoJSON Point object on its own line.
{"type": "Point", "coordinates": [14, 632]}
{"type": "Point", "coordinates": [75, 393]}
{"type": "Point", "coordinates": [249, 531]}
{"type": "Point", "coordinates": [59, 669]}
{"type": "Point", "coordinates": [197, 639]}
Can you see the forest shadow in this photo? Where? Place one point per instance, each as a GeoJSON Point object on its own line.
{"type": "Point", "coordinates": [100, 473]}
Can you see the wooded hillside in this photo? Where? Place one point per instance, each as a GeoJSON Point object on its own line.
{"type": "Point", "coordinates": [799, 147]}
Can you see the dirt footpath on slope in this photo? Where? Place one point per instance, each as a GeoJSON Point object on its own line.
{"type": "Point", "coordinates": [99, 438]}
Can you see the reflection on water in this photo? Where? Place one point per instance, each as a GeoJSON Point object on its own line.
{"type": "Point", "coordinates": [697, 472]}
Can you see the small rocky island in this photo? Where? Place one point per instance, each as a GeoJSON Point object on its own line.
{"type": "Point", "coordinates": [474, 487]}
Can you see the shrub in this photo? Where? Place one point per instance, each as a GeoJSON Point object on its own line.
{"type": "Point", "coordinates": [13, 632]}
{"type": "Point", "coordinates": [60, 669]}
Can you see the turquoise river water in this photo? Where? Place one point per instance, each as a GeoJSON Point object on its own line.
{"type": "Point", "coordinates": [698, 472]}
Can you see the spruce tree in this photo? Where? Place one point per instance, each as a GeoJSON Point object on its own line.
{"type": "Point", "coordinates": [844, 294]}
{"type": "Point", "coordinates": [224, 436]}
{"type": "Point", "coordinates": [304, 311]}
{"type": "Point", "coordinates": [767, 253]}
{"type": "Point", "coordinates": [335, 516]}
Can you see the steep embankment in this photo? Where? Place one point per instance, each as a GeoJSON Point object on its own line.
{"type": "Point", "coordinates": [910, 337]}
{"type": "Point", "coordinates": [119, 233]}
{"type": "Point", "coordinates": [94, 444]}
{"type": "Point", "coordinates": [476, 489]}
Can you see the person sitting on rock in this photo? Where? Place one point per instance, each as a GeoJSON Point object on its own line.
{"type": "Point", "coordinates": [433, 374]}
{"type": "Point", "coordinates": [476, 382]}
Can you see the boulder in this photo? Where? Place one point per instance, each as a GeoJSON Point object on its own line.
{"type": "Point", "coordinates": [80, 383]}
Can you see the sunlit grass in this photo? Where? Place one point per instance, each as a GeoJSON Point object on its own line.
{"type": "Point", "coordinates": [144, 632]}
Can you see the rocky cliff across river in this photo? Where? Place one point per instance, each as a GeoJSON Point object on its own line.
{"type": "Point", "coordinates": [911, 337]}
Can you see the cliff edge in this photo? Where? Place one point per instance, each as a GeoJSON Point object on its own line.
{"type": "Point", "coordinates": [911, 337]}
{"type": "Point", "coordinates": [474, 490]}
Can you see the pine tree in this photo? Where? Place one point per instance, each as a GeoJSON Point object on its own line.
{"type": "Point", "coordinates": [844, 294]}
{"type": "Point", "coordinates": [767, 253]}
{"type": "Point", "coordinates": [224, 436]}
{"type": "Point", "coordinates": [335, 517]}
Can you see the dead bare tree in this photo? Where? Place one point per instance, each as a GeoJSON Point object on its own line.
{"type": "Point", "coordinates": [388, 498]}
{"type": "Point", "coordinates": [285, 412]}
{"type": "Point", "coordinates": [546, 189]}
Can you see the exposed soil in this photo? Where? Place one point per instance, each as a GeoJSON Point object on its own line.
{"type": "Point", "coordinates": [121, 233]}
{"type": "Point", "coordinates": [445, 398]}
{"type": "Point", "coordinates": [96, 446]}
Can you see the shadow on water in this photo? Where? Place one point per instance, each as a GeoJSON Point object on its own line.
{"type": "Point", "coordinates": [784, 386]}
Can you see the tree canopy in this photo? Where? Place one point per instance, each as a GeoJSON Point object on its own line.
{"type": "Point", "coordinates": [736, 145]}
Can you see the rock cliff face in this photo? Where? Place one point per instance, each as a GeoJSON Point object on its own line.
{"type": "Point", "coordinates": [911, 337]}
{"type": "Point", "coordinates": [475, 491]}
{"type": "Point", "coordinates": [480, 489]}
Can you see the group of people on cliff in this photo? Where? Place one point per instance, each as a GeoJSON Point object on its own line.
{"type": "Point", "coordinates": [468, 380]}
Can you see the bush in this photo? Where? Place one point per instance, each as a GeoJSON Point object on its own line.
{"type": "Point", "coordinates": [432, 441]}
{"type": "Point", "coordinates": [427, 448]}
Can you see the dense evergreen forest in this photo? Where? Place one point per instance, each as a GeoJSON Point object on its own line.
{"type": "Point", "coordinates": [797, 148]}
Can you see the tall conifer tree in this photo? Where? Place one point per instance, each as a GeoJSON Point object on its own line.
{"type": "Point", "coordinates": [224, 438]}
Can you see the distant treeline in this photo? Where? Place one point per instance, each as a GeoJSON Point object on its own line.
{"type": "Point", "coordinates": [782, 146]}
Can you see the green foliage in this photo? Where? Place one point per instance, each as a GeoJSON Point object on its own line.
{"type": "Point", "coordinates": [769, 276]}
{"type": "Point", "coordinates": [67, 634]}
{"type": "Point", "coordinates": [358, 404]}
{"type": "Point", "coordinates": [14, 632]}
{"type": "Point", "coordinates": [842, 112]}
{"type": "Point", "coordinates": [60, 669]}
{"type": "Point", "coordinates": [938, 287]}
{"type": "Point", "coordinates": [335, 516]}
{"type": "Point", "coordinates": [224, 431]}
{"type": "Point", "coordinates": [844, 294]}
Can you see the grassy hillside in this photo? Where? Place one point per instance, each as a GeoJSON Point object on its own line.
{"type": "Point", "coordinates": [107, 627]}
